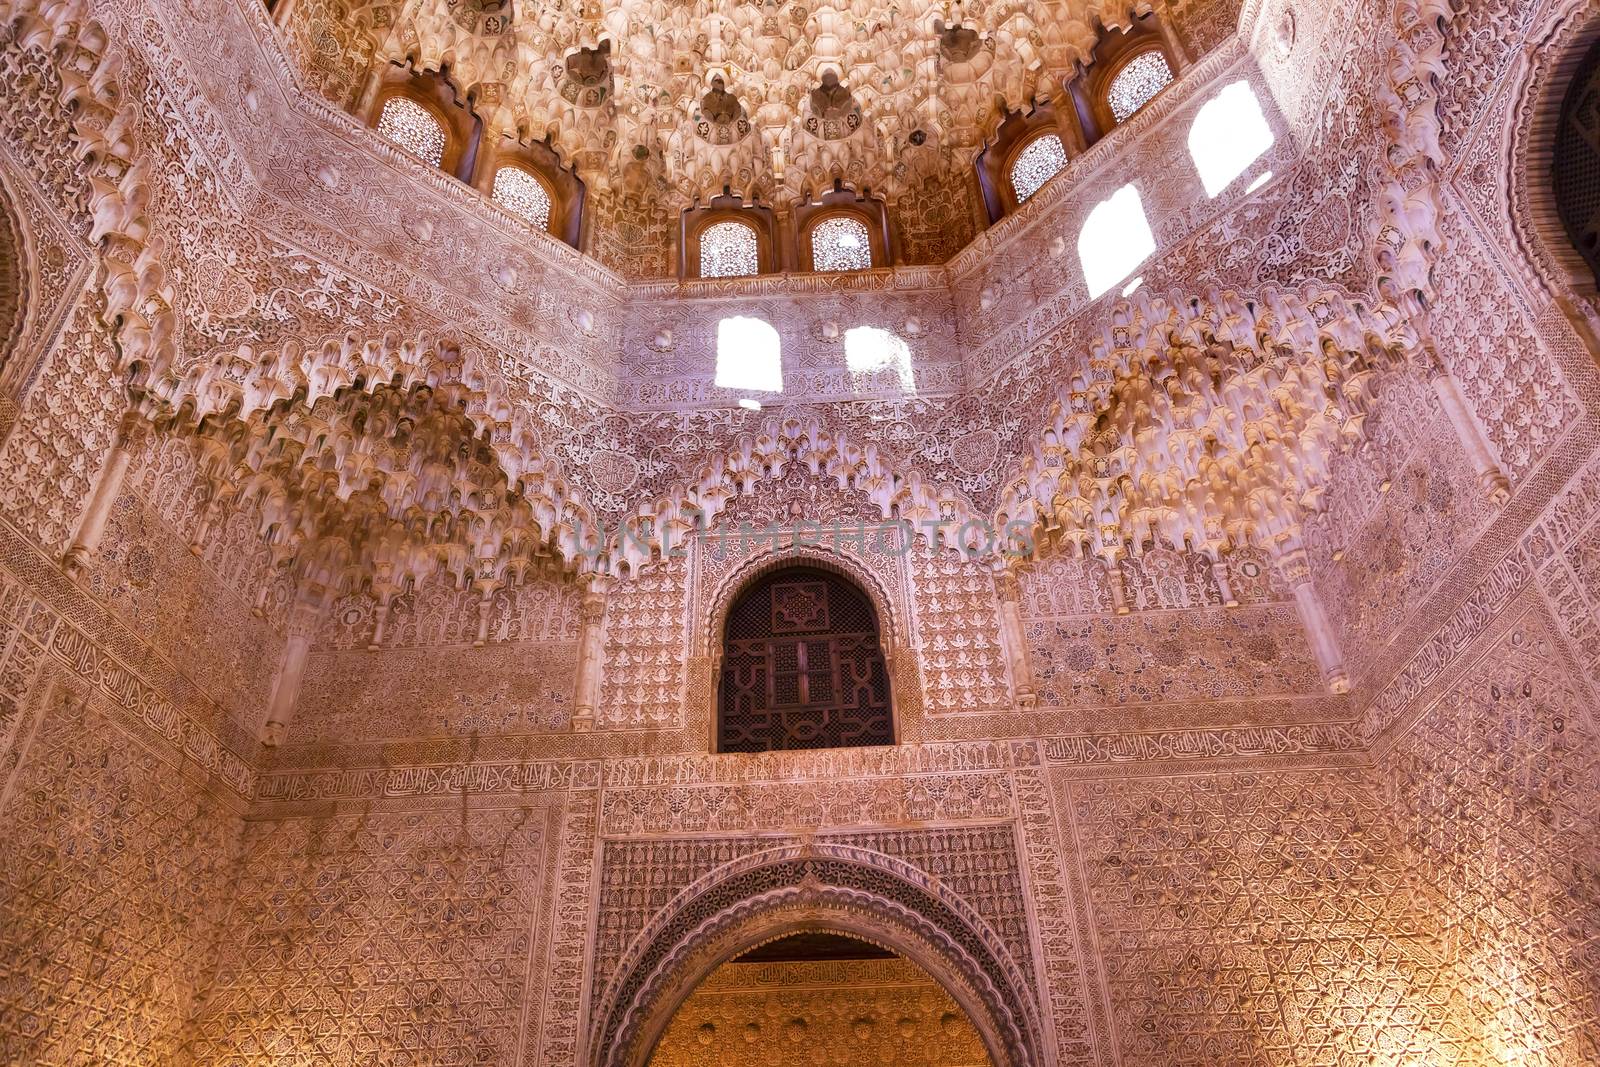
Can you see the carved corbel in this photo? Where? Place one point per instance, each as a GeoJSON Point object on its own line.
{"type": "Point", "coordinates": [384, 588]}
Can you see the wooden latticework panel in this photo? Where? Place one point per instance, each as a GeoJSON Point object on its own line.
{"type": "Point", "coordinates": [802, 667]}
{"type": "Point", "coordinates": [1576, 170]}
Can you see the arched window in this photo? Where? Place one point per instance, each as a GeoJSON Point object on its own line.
{"type": "Point", "coordinates": [728, 250]}
{"type": "Point", "coordinates": [1115, 239]}
{"type": "Point", "coordinates": [523, 194]}
{"type": "Point", "coordinates": [802, 667]}
{"type": "Point", "coordinates": [840, 242]}
{"type": "Point", "coordinates": [414, 128]}
{"type": "Point", "coordinates": [749, 355]}
{"type": "Point", "coordinates": [1137, 83]}
{"type": "Point", "coordinates": [1229, 133]}
{"type": "Point", "coordinates": [1575, 163]}
{"type": "Point", "coordinates": [1036, 164]}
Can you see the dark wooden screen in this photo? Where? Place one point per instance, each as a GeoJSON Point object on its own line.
{"type": "Point", "coordinates": [802, 667]}
{"type": "Point", "coordinates": [1575, 172]}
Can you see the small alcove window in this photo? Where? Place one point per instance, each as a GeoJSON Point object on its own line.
{"type": "Point", "coordinates": [728, 250]}
{"type": "Point", "coordinates": [802, 667]}
{"type": "Point", "coordinates": [841, 243]}
{"type": "Point", "coordinates": [412, 127]}
{"type": "Point", "coordinates": [749, 355]}
{"type": "Point", "coordinates": [1229, 133]}
{"type": "Point", "coordinates": [522, 194]}
{"type": "Point", "coordinates": [1036, 164]}
{"type": "Point", "coordinates": [1114, 240]}
{"type": "Point", "coordinates": [1137, 83]}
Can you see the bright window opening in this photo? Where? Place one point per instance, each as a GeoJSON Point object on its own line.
{"type": "Point", "coordinates": [749, 355]}
{"type": "Point", "coordinates": [1137, 84]}
{"type": "Point", "coordinates": [840, 243]}
{"type": "Point", "coordinates": [1037, 164]}
{"type": "Point", "coordinates": [1228, 135]}
{"type": "Point", "coordinates": [1114, 240]}
{"type": "Point", "coordinates": [409, 125]}
{"type": "Point", "coordinates": [728, 250]}
{"type": "Point", "coordinates": [523, 194]}
{"type": "Point", "coordinates": [876, 356]}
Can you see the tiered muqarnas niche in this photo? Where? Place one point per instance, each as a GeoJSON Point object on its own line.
{"type": "Point", "coordinates": [1277, 748]}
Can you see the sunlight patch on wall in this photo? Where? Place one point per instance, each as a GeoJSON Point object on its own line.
{"type": "Point", "coordinates": [1114, 240]}
{"type": "Point", "coordinates": [1229, 133]}
{"type": "Point", "coordinates": [749, 355]}
{"type": "Point", "coordinates": [876, 355]}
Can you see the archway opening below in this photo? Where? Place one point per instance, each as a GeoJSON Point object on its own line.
{"type": "Point", "coordinates": [819, 999]}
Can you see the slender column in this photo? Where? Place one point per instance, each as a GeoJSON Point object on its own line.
{"type": "Point", "coordinates": [1296, 572]}
{"type": "Point", "coordinates": [591, 615]}
{"type": "Point", "coordinates": [369, 92]}
{"type": "Point", "coordinates": [305, 617]}
{"type": "Point", "coordinates": [380, 627]}
{"type": "Point", "coordinates": [92, 525]}
{"type": "Point", "coordinates": [1068, 128]}
{"type": "Point", "coordinates": [1493, 480]}
{"type": "Point", "coordinates": [286, 688]}
{"type": "Point", "coordinates": [1119, 595]}
{"type": "Point", "coordinates": [1014, 639]}
{"type": "Point", "coordinates": [1219, 573]}
{"type": "Point", "coordinates": [486, 589]}
{"type": "Point", "coordinates": [1180, 55]}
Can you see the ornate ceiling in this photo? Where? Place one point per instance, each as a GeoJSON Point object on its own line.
{"type": "Point", "coordinates": [769, 97]}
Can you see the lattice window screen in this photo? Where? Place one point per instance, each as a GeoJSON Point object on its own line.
{"type": "Point", "coordinates": [1575, 174]}
{"type": "Point", "coordinates": [802, 667]}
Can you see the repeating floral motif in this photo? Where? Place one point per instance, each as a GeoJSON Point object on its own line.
{"type": "Point", "coordinates": [402, 916]}
{"type": "Point", "coordinates": [963, 665]}
{"type": "Point", "coordinates": [112, 911]}
{"type": "Point", "coordinates": [1484, 787]}
{"type": "Point", "coordinates": [1196, 655]}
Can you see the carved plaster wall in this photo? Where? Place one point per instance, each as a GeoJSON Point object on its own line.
{"type": "Point", "coordinates": [289, 397]}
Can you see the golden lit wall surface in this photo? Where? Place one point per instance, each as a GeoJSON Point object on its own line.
{"type": "Point", "coordinates": [819, 1014]}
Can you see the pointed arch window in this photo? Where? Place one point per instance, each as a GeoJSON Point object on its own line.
{"type": "Point", "coordinates": [414, 128]}
{"type": "Point", "coordinates": [1137, 83]}
{"type": "Point", "coordinates": [522, 194]}
{"type": "Point", "coordinates": [728, 250]}
{"type": "Point", "coordinates": [802, 666]}
{"type": "Point", "coordinates": [1036, 164]}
